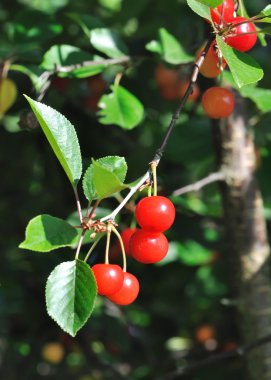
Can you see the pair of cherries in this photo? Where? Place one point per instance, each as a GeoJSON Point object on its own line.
{"type": "Point", "coordinates": [147, 245]}
{"type": "Point", "coordinates": [243, 34]}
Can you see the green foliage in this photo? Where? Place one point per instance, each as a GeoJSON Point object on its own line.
{"type": "Point", "coordinates": [108, 42]}
{"type": "Point", "coordinates": [45, 233]}
{"type": "Point", "coordinates": [121, 107]}
{"type": "Point", "coordinates": [70, 295]}
{"type": "Point", "coordinates": [62, 137]}
{"type": "Point", "coordinates": [66, 55]}
{"type": "Point", "coordinates": [245, 70]}
{"type": "Point", "coordinates": [105, 177]}
{"type": "Point", "coordinates": [169, 49]}
{"type": "Point", "coordinates": [199, 8]}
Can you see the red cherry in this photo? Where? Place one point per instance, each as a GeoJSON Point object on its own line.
{"type": "Point", "coordinates": [155, 213]}
{"type": "Point", "coordinates": [126, 237]}
{"type": "Point", "coordinates": [128, 292]}
{"type": "Point", "coordinates": [223, 13]}
{"type": "Point", "coordinates": [109, 278]}
{"type": "Point", "coordinates": [211, 64]}
{"type": "Point", "coordinates": [218, 102]}
{"type": "Point", "coordinates": [238, 37]}
{"type": "Point", "coordinates": [148, 247]}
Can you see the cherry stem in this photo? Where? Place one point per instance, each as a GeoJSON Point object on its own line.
{"type": "Point", "coordinates": [116, 232]}
{"type": "Point", "coordinates": [78, 204]}
{"type": "Point", "coordinates": [92, 247]}
{"type": "Point", "coordinates": [94, 208]}
{"type": "Point", "coordinates": [154, 177]}
{"type": "Point", "coordinates": [79, 245]}
{"type": "Point", "coordinates": [108, 236]}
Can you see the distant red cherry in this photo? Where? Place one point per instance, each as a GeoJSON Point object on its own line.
{"type": "Point", "coordinates": [155, 213]}
{"type": "Point", "coordinates": [148, 247]}
{"type": "Point", "coordinates": [243, 37]}
{"type": "Point", "coordinates": [128, 292]}
{"type": "Point", "coordinates": [109, 278]}
{"type": "Point", "coordinates": [223, 13]}
{"type": "Point", "coordinates": [218, 102]}
{"type": "Point", "coordinates": [126, 237]}
{"type": "Point", "coordinates": [210, 67]}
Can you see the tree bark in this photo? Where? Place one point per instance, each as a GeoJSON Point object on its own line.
{"type": "Point", "coordinates": [246, 235]}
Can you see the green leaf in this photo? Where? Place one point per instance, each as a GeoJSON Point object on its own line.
{"type": "Point", "coordinates": [33, 72]}
{"type": "Point", "coordinates": [120, 107]}
{"type": "Point", "coordinates": [266, 11]}
{"type": "Point", "coordinates": [70, 295]}
{"type": "Point", "coordinates": [245, 70]}
{"type": "Point", "coordinates": [200, 9]}
{"type": "Point", "coordinates": [86, 22]}
{"type": "Point", "coordinates": [108, 42]}
{"type": "Point", "coordinates": [169, 48]}
{"type": "Point", "coordinates": [105, 182]}
{"type": "Point", "coordinates": [260, 96]}
{"type": "Point", "coordinates": [45, 233]}
{"type": "Point", "coordinates": [62, 138]}
{"type": "Point", "coordinates": [211, 3]}
{"type": "Point", "coordinates": [66, 55]}
{"type": "Point", "coordinates": [115, 164]}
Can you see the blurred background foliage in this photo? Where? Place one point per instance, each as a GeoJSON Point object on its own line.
{"type": "Point", "coordinates": [183, 312]}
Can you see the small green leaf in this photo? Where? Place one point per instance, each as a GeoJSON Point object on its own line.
{"type": "Point", "coordinates": [169, 48]}
{"type": "Point", "coordinates": [260, 96]}
{"type": "Point", "coordinates": [120, 107]}
{"type": "Point", "coordinates": [33, 72]}
{"type": "Point", "coordinates": [211, 3]}
{"type": "Point", "coordinates": [115, 164]}
{"type": "Point", "coordinates": [45, 233]}
{"type": "Point", "coordinates": [105, 182]}
{"type": "Point", "coordinates": [266, 11]}
{"type": "Point", "coordinates": [245, 70]}
{"type": "Point", "coordinates": [86, 22]}
{"type": "Point", "coordinates": [200, 9]}
{"type": "Point", "coordinates": [70, 295]}
{"type": "Point", "coordinates": [108, 42]}
{"type": "Point", "coordinates": [67, 55]}
{"type": "Point", "coordinates": [62, 137]}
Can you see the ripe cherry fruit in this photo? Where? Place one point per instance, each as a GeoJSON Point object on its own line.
{"type": "Point", "coordinates": [218, 102]}
{"type": "Point", "coordinates": [109, 278]}
{"type": "Point", "coordinates": [210, 67]}
{"type": "Point", "coordinates": [155, 213]}
{"type": "Point", "coordinates": [128, 292]}
{"type": "Point", "coordinates": [242, 37]}
{"type": "Point", "coordinates": [223, 13]}
{"type": "Point", "coordinates": [126, 237]}
{"type": "Point", "coordinates": [148, 247]}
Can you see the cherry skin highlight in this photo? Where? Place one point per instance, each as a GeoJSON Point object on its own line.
{"type": "Point", "coordinates": [155, 213]}
{"type": "Point", "coordinates": [218, 102]}
{"type": "Point", "coordinates": [210, 67]}
{"type": "Point", "coordinates": [243, 37]}
{"type": "Point", "coordinates": [128, 292]}
{"type": "Point", "coordinates": [148, 247]}
{"type": "Point", "coordinates": [223, 13]}
{"type": "Point", "coordinates": [109, 278]}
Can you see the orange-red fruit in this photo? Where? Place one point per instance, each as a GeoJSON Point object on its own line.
{"type": "Point", "coordinates": [210, 67]}
{"type": "Point", "coordinates": [126, 237]}
{"type": "Point", "coordinates": [128, 292]}
{"type": "Point", "coordinates": [109, 278]}
{"type": "Point", "coordinates": [223, 13]}
{"type": "Point", "coordinates": [148, 247]}
{"type": "Point", "coordinates": [165, 76]}
{"type": "Point", "coordinates": [243, 37]}
{"type": "Point", "coordinates": [218, 102]}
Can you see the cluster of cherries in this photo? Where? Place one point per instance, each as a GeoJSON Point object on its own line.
{"type": "Point", "coordinates": [237, 32]}
{"type": "Point", "coordinates": [148, 244]}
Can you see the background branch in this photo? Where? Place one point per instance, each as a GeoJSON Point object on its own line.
{"type": "Point", "coordinates": [214, 177]}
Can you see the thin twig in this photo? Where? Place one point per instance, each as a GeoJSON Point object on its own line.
{"type": "Point", "coordinates": [107, 62]}
{"type": "Point", "coordinates": [239, 351]}
{"type": "Point", "coordinates": [214, 177]}
{"type": "Point", "coordinates": [159, 152]}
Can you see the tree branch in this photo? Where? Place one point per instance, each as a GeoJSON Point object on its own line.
{"type": "Point", "coordinates": [239, 351]}
{"type": "Point", "coordinates": [214, 177]}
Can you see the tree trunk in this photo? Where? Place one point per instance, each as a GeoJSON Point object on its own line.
{"type": "Point", "coordinates": [248, 248]}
